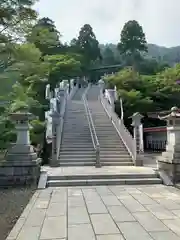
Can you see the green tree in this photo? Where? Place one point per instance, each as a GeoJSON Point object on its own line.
{"type": "Point", "coordinates": [142, 93]}
{"type": "Point", "coordinates": [108, 57]}
{"type": "Point", "coordinates": [62, 67]}
{"type": "Point", "coordinates": [87, 45]}
{"type": "Point", "coordinates": [132, 42]}
{"type": "Point", "coordinates": [46, 37]}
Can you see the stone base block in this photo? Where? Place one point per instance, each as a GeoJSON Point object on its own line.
{"type": "Point", "coordinates": [171, 169]}
{"type": "Point", "coordinates": [139, 161]}
{"type": "Point", "coordinates": [19, 173]}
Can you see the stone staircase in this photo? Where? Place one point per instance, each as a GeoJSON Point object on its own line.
{"type": "Point", "coordinates": [76, 147]}
{"type": "Point", "coordinates": [91, 176]}
{"type": "Point", "coordinates": [77, 156]}
{"type": "Point", "coordinates": [112, 150]}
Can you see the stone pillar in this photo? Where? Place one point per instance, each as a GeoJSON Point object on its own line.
{"type": "Point", "coordinates": [138, 136]}
{"type": "Point", "coordinates": [169, 162]}
{"type": "Point", "coordinates": [21, 165]}
{"type": "Point", "coordinates": [55, 154]}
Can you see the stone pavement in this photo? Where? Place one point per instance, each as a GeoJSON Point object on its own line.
{"type": "Point", "coordinates": [105, 170]}
{"type": "Point", "coordinates": [101, 213]}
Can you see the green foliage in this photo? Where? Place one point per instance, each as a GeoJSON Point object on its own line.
{"type": "Point", "coordinates": [87, 45]}
{"type": "Point", "coordinates": [62, 67]}
{"type": "Point", "coordinates": [37, 132]}
{"type": "Point", "coordinates": [108, 57]}
{"type": "Point", "coordinates": [133, 39]}
{"type": "Point", "coordinates": [144, 94]}
{"type": "Point", "coordinates": [46, 37]}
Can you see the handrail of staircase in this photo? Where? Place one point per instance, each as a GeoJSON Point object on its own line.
{"type": "Point", "coordinates": [124, 133]}
{"type": "Point", "coordinates": [92, 129]}
{"type": "Point", "coordinates": [61, 125]}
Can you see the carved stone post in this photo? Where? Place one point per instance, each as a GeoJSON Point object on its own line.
{"type": "Point", "coordinates": [169, 162]}
{"type": "Point", "coordinates": [55, 123]}
{"type": "Point", "coordinates": [21, 165]}
{"type": "Point", "coordinates": [138, 136]}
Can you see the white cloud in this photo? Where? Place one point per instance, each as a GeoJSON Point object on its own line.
{"type": "Point", "coordinates": [160, 18]}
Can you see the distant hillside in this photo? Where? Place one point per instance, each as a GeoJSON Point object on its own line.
{"type": "Point", "coordinates": [168, 55]}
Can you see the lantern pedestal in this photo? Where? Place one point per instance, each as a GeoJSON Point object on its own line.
{"type": "Point", "coordinates": [169, 161]}
{"type": "Point", "coordinates": [21, 165]}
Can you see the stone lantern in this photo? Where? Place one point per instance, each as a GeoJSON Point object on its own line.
{"type": "Point", "coordinates": [21, 165]}
{"type": "Point", "coordinates": [169, 162]}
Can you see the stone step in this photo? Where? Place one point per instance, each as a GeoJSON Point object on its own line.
{"type": "Point", "coordinates": [119, 159]}
{"type": "Point", "coordinates": [120, 163]}
{"type": "Point", "coordinates": [77, 140]}
{"type": "Point", "coordinates": [70, 145]}
{"type": "Point", "coordinates": [110, 142]}
{"type": "Point", "coordinates": [114, 155]}
{"type": "Point", "coordinates": [98, 182]}
{"type": "Point", "coordinates": [77, 164]}
{"type": "Point", "coordinates": [116, 152]}
{"type": "Point", "coordinates": [76, 157]}
{"type": "Point", "coordinates": [107, 147]}
{"type": "Point", "coordinates": [109, 136]}
{"type": "Point", "coordinates": [77, 160]}
{"type": "Point", "coordinates": [104, 176]}
{"type": "Point", "coordinates": [77, 148]}
{"type": "Point", "coordinates": [88, 152]}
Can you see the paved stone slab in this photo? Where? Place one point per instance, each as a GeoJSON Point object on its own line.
{"type": "Point", "coordinates": [41, 203]}
{"type": "Point", "coordinates": [77, 215]}
{"type": "Point", "coordinates": [133, 205]}
{"type": "Point", "coordinates": [54, 227]}
{"type": "Point", "coordinates": [29, 233]}
{"type": "Point", "coordinates": [150, 222]}
{"type": "Point", "coordinates": [74, 192]}
{"type": "Point", "coordinates": [132, 190]}
{"type": "Point", "coordinates": [90, 195]}
{"type": "Point", "coordinates": [45, 193]}
{"type": "Point", "coordinates": [143, 198]}
{"type": "Point", "coordinates": [110, 237]}
{"type": "Point", "coordinates": [123, 195]}
{"type": "Point", "coordinates": [133, 230]}
{"type": "Point", "coordinates": [174, 225]}
{"type": "Point", "coordinates": [176, 212]}
{"type": "Point", "coordinates": [56, 209]}
{"type": "Point", "coordinates": [103, 224]}
{"type": "Point", "coordinates": [169, 204]}
{"type": "Point", "coordinates": [16, 229]}
{"type": "Point", "coordinates": [160, 212]}
{"type": "Point", "coordinates": [140, 212]}
{"type": "Point", "coordinates": [81, 231]}
{"type": "Point", "coordinates": [103, 190]}
{"type": "Point", "coordinates": [35, 218]}
{"type": "Point", "coordinates": [120, 214]}
{"type": "Point", "coordinates": [96, 207]}
{"type": "Point", "coordinates": [164, 236]}
{"type": "Point", "coordinates": [111, 200]}
{"type": "Point", "coordinates": [59, 197]}
{"type": "Point", "coordinates": [76, 201]}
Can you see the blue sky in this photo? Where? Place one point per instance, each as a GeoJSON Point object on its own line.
{"type": "Point", "coordinates": [160, 18]}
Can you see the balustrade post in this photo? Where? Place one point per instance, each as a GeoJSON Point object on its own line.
{"type": "Point", "coordinates": [138, 137]}
{"type": "Point", "coordinates": [55, 122]}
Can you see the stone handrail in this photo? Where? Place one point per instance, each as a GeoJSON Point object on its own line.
{"type": "Point", "coordinates": [92, 130]}
{"type": "Point", "coordinates": [60, 126]}
{"type": "Point", "coordinates": [125, 135]}
{"type": "Point", "coordinates": [73, 91]}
